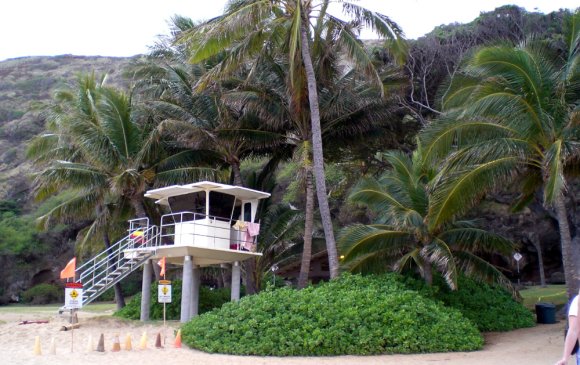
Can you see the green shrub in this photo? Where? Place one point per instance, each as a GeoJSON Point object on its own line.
{"type": "Point", "coordinates": [350, 315]}
{"type": "Point", "coordinates": [489, 307]}
{"type": "Point", "coordinates": [208, 300]}
{"type": "Point", "coordinates": [43, 294]}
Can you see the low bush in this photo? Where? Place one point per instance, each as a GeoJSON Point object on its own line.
{"type": "Point", "coordinates": [208, 300]}
{"type": "Point", "coordinates": [43, 294]}
{"type": "Point", "coordinates": [350, 315]}
{"type": "Point", "coordinates": [489, 307]}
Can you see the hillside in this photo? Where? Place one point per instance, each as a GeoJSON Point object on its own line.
{"type": "Point", "coordinates": [26, 84]}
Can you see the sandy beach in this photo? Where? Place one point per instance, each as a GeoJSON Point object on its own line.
{"type": "Point", "coordinates": [539, 345]}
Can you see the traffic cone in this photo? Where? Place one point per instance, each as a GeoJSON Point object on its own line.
{"type": "Point", "coordinates": [158, 341]}
{"type": "Point", "coordinates": [143, 342]}
{"type": "Point", "coordinates": [128, 345]}
{"type": "Point", "coordinates": [116, 344]}
{"type": "Point", "coordinates": [101, 344]}
{"type": "Point", "coordinates": [177, 344]}
{"type": "Point", "coordinates": [52, 350]}
{"type": "Point", "coordinates": [90, 345]}
{"type": "Point", "coordinates": [37, 350]}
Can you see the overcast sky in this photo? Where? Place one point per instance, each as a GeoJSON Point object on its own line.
{"type": "Point", "coordinates": [128, 27]}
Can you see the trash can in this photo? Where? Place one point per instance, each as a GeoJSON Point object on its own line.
{"type": "Point", "coordinates": [545, 313]}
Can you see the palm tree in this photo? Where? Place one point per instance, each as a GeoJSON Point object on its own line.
{"type": "Point", "coordinates": [349, 110]}
{"type": "Point", "coordinates": [251, 29]}
{"type": "Point", "coordinates": [512, 115]}
{"type": "Point", "coordinates": [98, 150]}
{"type": "Point", "coordinates": [403, 235]}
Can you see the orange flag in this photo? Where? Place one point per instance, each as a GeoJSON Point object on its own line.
{"type": "Point", "coordinates": [162, 264]}
{"type": "Point", "coordinates": [69, 270]}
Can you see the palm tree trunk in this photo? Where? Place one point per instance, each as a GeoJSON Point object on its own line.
{"type": "Point", "coordinates": [566, 242]}
{"type": "Point", "coordinates": [317, 154]}
{"type": "Point", "coordinates": [428, 273]}
{"type": "Point", "coordinates": [137, 204]}
{"type": "Point", "coordinates": [308, 227]}
{"type": "Point", "coordinates": [250, 270]}
{"type": "Point", "coordinates": [119, 297]}
{"type": "Point", "coordinates": [237, 173]}
{"type": "Point", "coordinates": [226, 275]}
{"type": "Point", "coordinates": [537, 244]}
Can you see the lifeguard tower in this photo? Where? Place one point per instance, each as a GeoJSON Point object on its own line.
{"type": "Point", "coordinates": [207, 224]}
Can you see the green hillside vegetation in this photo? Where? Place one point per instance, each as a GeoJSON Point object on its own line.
{"type": "Point", "coordinates": [436, 159]}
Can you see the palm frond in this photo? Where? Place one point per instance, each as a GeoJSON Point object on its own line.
{"type": "Point", "coordinates": [454, 192]}
{"type": "Point", "coordinates": [554, 166]}
{"type": "Point", "coordinates": [440, 254]}
{"type": "Point", "coordinates": [474, 240]}
{"type": "Point", "coordinates": [359, 240]}
{"type": "Point", "coordinates": [63, 174]}
{"type": "Point", "coordinates": [479, 269]}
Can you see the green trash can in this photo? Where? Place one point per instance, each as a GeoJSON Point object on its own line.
{"type": "Point", "coordinates": [545, 313]}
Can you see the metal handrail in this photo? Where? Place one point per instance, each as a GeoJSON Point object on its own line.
{"type": "Point", "coordinates": [117, 248]}
{"type": "Point", "coordinates": [111, 265]}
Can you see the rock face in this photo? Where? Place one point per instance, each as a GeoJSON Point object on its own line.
{"type": "Point", "coordinates": [26, 85]}
{"type": "Point", "coordinates": [533, 229]}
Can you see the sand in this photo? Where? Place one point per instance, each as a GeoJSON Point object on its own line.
{"type": "Point", "coordinates": [539, 345]}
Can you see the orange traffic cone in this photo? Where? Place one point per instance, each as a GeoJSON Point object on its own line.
{"type": "Point", "coordinates": [143, 342]}
{"type": "Point", "coordinates": [101, 344]}
{"type": "Point", "coordinates": [178, 339]}
{"type": "Point", "coordinates": [37, 350]}
{"type": "Point", "coordinates": [116, 344]}
{"type": "Point", "coordinates": [128, 345]}
{"type": "Point", "coordinates": [52, 350]}
{"type": "Point", "coordinates": [158, 341]}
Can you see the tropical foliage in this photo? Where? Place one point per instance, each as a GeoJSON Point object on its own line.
{"type": "Point", "coordinates": [489, 307]}
{"type": "Point", "coordinates": [403, 235]}
{"type": "Point", "coordinates": [351, 315]}
{"type": "Point", "coordinates": [99, 151]}
{"type": "Point", "coordinates": [209, 299]}
{"type": "Point", "coordinates": [512, 115]}
{"type": "Point", "coordinates": [267, 84]}
{"type": "Point", "coordinates": [254, 29]}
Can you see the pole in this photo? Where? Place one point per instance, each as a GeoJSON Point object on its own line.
{"type": "Point", "coordinates": [164, 323]}
{"type": "Point", "coordinates": [72, 330]}
{"type": "Point", "coordinates": [518, 265]}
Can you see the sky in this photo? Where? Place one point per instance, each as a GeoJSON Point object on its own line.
{"type": "Point", "coordinates": [128, 27]}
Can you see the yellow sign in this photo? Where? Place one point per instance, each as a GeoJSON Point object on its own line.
{"type": "Point", "coordinates": [73, 298]}
{"type": "Point", "coordinates": [164, 291]}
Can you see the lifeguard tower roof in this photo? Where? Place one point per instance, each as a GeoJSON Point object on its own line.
{"type": "Point", "coordinates": [162, 195]}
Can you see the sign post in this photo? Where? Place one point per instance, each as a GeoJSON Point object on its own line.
{"type": "Point", "coordinates": [518, 256]}
{"type": "Point", "coordinates": [274, 268]}
{"type": "Point", "coordinates": [73, 300]}
{"type": "Point", "coordinates": [164, 295]}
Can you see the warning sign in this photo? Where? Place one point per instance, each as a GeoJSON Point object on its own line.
{"type": "Point", "coordinates": [73, 295]}
{"type": "Point", "coordinates": [164, 291]}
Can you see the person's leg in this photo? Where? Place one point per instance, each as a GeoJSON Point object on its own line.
{"type": "Point", "coordinates": [578, 358]}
